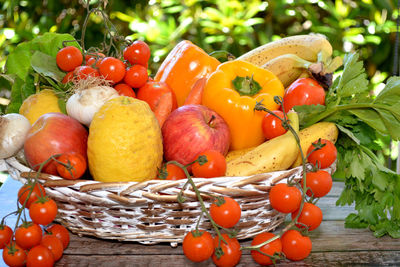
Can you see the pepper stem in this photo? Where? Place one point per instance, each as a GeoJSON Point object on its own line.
{"type": "Point", "coordinates": [246, 85]}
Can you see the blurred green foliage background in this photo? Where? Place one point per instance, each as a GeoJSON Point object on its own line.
{"type": "Point", "coordinates": [367, 26]}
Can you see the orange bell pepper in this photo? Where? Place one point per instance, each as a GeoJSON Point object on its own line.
{"type": "Point", "coordinates": [184, 65]}
{"type": "Point", "coordinates": [233, 90]}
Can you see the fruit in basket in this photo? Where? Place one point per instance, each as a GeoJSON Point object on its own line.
{"type": "Point", "coordinates": [38, 104]}
{"type": "Point", "coordinates": [211, 163]}
{"type": "Point", "coordinates": [125, 142]}
{"type": "Point", "coordinates": [51, 134]}
{"type": "Point", "coordinates": [303, 91]}
{"type": "Point", "coordinates": [13, 131]}
{"type": "Point", "coordinates": [272, 155]}
{"type": "Point", "coordinates": [192, 129]}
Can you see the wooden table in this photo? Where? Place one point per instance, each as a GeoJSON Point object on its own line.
{"type": "Point", "coordinates": [333, 245]}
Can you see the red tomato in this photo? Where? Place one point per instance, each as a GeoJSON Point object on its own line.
{"type": "Point", "coordinates": [112, 69]}
{"type": "Point", "coordinates": [83, 72]}
{"type": "Point", "coordinates": [323, 157]}
{"type": "Point", "coordinates": [214, 167]}
{"type": "Point", "coordinates": [94, 62]}
{"type": "Point", "coordinates": [40, 256]}
{"type": "Point", "coordinates": [311, 216]}
{"type": "Point", "coordinates": [137, 53]}
{"type": "Point", "coordinates": [14, 255]}
{"type": "Point", "coordinates": [43, 211]}
{"type": "Point", "coordinates": [171, 172]}
{"type": "Point", "coordinates": [54, 245]}
{"type": "Point", "coordinates": [319, 182]}
{"type": "Point", "coordinates": [136, 76]}
{"type": "Point", "coordinates": [37, 191]}
{"type": "Point", "coordinates": [232, 252]}
{"type": "Point", "coordinates": [152, 91]}
{"type": "Point", "coordinates": [124, 89]}
{"type": "Point", "coordinates": [60, 232]}
{"type": "Point", "coordinates": [198, 248]}
{"type": "Point", "coordinates": [226, 214]}
{"type": "Point", "coordinates": [68, 77]}
{"type": "Point", "coordinates": [303, 91]}
{"type": "Point", "coordinates": [270, 248]}
{"type": "Point", "coordinates": [5, 235]}
{"type": "Point", "coordinates": [68, 58]}
{"type": "Point", "coordinates": [76, 165]}
{"type": "Point", "coordinates": [272, 126]}
{"type": "Point", "coordinates": [285, 198]}
{"type": "Point", "coordinates": [28, 235]}
{"type": "Point", "coordinates": [94, 55]}
{"type": "Point", "coordinates": [295, 246]}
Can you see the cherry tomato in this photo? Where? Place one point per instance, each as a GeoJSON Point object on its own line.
{"type": "Point", "coordinates": [60, 232]}
{"type": "Point", "coordinates": [124, 89]}
{"type": "Point", "coordinates": [94, 62]}
{"type": "Point", "coordinates": [69, 77]}
{"type": "Point", "coordinates": [285, 198]}
{"type": "Point", "coordinates": [76, 165]}
{"type": "Point", "coordinates": [43, 211]}
{"type": "Point", "coordinates": [272, 126]}
{"type": "Point", "coordinates": [137, 53]}
{"type": "Point", "coordinates": [319, 182]}
{"type": "Point", "coordinates": [54, 245]}
{"type": "Point", "coordinates": [83, 72]}
{"type": "Point", "coordinates": [136, 76]}
{"type": "Point", "coordinates": [198, 246]}
{"type": "Point", "coordinates": [38, 190]}
{"type": "Point", "coordinates": [152, 91]}
{"type": "Point", "coordinates": [296, 246]}
{"type": "Point", "coordinates": [270, 248]}
{"type": "Point", "coordinates": [112, 69]}
{"type": "Point", "coordinates": [5, 235]}
{"type": "Point", "coordinates": [323, 157]}
{"type": "Point", "coordinates": [214, 167]}
{"type": "Point", "coordinates": [94, 55]}
{"type": "Point", "coordinates": [14, 255]}
{"type": "Point", "coordinates": [68, 58]}
{"type": "Point", "coordinates": [171, 171]}
{"type": "Point", "coordinates": [28, 235]}
{"type": "Point", "coordinates": [40, 256]}
{"type": "Point", "coordinates": [303, 91]}
{"type": "Point", "coordinates": [226, 214]}
{"type": "Point", "coordinates": [311, 216]}
{"type": "Point", "coordinates": [232, 252]}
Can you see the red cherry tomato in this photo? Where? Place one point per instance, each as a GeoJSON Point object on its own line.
{"type": "Point", "coordinates": [303, 91]}
{"type": "Point", "coordinates": [43, 211]}
{"type": "Point", "coordinates": [270, 248]}
{"type": "Point", "coordinates": [28, 235]}
{"type": "Point", "coordinates": [319, 182]}
{"type": "Point", "coordinates": [112, 69]}
{"type": "Point", "coordinates": [5, 235]}
{"type": "Point", "coordinates": [37, 191]}
{"type": "Point", "coordinates": [311, 216]}
{"type": "Point", "coordinates": [54, 245]}
{"type": "Point", "coordinates": [60, 232]}
{"type": "Point", "coordinates": [232, 252]}
{"type": "Point", "coordinates": [152, 91]}
{"type": "Point", "coordinates": [285, 198]}
{"type": "Point", "coordinates": [272, 126]}
{"type": "Point", "coordinates": [40, 256]}
{"type": "Point", "coordinates": [76, 166]}
{"type": "Point", "coordinates": [124, 89]}
{"type": "Point", "coordinates": [323, 157]}
{"type": "Point", "coordinates": [14, 255]}
{"type": "Point", "coordinates": [137, 53]}
{"type": "Point", "coordinates": [68, 77]}
{"type": "Point", "coordinates": [68, 58]}
{"type": "Point", "coordinates": [83, 72]}
{"type": "Point", "coordinates": [94, 62]}
{"type": "Point", "coordinates": [94, 55]}
{"type": "Point", "coordinates": [225, 213]}
{"type": "Point", "coordinates": [198, 246]}
{"type": "Point", "coordinates": [171, 172]}
{"type": "Point", "coordinates": [295, 246]}
{"type": "Point", "coordinates": [214, 167]}
{"type": "Point", "coordinates": [136, 76]}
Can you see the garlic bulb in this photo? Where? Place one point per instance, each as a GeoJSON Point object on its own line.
{"type": "Point", "coordinates": [83, 104]}
{"type": "Point", "coordinates": [13, 132]}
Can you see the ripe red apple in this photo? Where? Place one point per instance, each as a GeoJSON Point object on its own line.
{"type": "Point", "coordinates": [192, 129]}
{"type": "Point", "coordinates": [54, 133]}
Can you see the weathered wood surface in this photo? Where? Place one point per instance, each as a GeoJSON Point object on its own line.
{"type": "Point", "coordinates": [333, 245]}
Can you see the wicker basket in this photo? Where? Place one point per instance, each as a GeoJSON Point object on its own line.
{"type": "Point", "coordinates": [149, 212]}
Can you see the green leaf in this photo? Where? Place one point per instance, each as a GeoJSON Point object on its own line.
{"type": "Point", "coordinates": [19, 92]}
{"type": "Point", "coordinates": [371, 117]}
{"type": "Point", "coordinates": [18, 62]}
{"type": "Point", "coordinates": [46, 65]}
{"type": "Point", "coordinates": [49, 43]}
{"type": "Point", "coordinates": [349, 133]}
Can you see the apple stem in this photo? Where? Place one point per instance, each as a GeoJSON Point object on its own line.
{"type": "Point", "coordinates": [211, 119]}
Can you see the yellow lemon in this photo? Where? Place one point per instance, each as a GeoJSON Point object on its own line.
{"type": "Point", "coordinates": [125, 142]}
{"type": "Point", "coordinates": [38, 104]}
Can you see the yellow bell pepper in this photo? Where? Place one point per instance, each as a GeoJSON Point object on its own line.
{"type": "Point", "coordinates": [233, 90]}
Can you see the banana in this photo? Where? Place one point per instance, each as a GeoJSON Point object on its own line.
{"type": "Point", "coordinates": [323, 130]}
{"type": "Point", "coordinates": [273, 155]}
{"type": "Point", "coordinates": [237, 153]}
{"type": "Point", "coordinates": [305, 46]}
